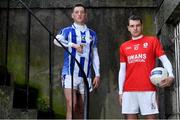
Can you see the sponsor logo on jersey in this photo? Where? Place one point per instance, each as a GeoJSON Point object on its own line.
{"type": "Point", "coordinates": [137, 58]}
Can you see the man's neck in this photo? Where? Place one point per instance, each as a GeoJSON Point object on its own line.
{"type": "Point", "coordinates": [138, 37]}
{"type": "Point", "coordinates": [82, 27]}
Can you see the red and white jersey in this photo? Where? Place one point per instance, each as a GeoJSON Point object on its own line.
{"type": "Point", "coordinates": [140, 58]}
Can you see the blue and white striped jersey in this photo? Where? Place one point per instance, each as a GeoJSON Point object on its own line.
{"type": "Point", "coordinates": [86, 37]}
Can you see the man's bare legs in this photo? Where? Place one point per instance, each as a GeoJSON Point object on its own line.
{"type": "Point", "coordinates": [151, 117]}
{"type": "Point", "coordinates": [77, 104]}
{"type": "Point", "coordinates": [131, 116]}
{"type": "Point", "coordinates": [68, 96]}
{"type": "Point", "coordinates": [135, 117]}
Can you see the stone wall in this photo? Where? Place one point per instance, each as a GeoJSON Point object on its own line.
{"type": "Point", "coordinates": [6, 98]}
{"type": "Point", "coordinates": [88, 3]}
{"type": "Point", "coordinates": [107, 18]}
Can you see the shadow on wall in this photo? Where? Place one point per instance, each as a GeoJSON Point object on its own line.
{"type": "Point", "coordinates": [24, 98]}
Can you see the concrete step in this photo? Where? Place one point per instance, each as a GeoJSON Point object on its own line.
{"type": "Point", "coordinates": [6, 101]}
{"type": "Point", "coordinates": [23, 114]}
{"type": "Point", "coordinates": [6, 106]}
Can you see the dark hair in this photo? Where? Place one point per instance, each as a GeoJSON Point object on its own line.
{"type": "Point", "coordinates": [135, 17]}
{"type": "Point", "coordinates": [79, 5]}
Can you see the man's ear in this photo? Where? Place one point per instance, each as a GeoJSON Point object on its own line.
{"type": "Point", "coordinates": [72, 16]}
{"type": "Point", "coordinates": [128, 28]}
{"type": "Point", "coordinates": [86, 17]}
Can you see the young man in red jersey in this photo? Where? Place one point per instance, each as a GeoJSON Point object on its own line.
{"type": "Point", "coordinates": [137, 59]}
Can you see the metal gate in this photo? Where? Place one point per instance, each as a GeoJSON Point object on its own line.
{"type": "Point", "coordinates": [177, 61]}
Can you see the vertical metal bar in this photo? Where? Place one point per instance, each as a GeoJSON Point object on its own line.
{"type": "Point", "coordinates": [177, 61]}
{"type": "Point", "coordinates": [72, 94]}
{"type": "Point", "coordinates": [86, 100]}
{"type": "Point", "coordinates": [27, 59]}
{"type": "Point", "coordinates": [6, 42]}
{"type": "Point", "coordinates": [50, 72]}
{"type": "Point", "coordinates": [175, 43]}
{"type": "Point", "coordinates": [178, 72]}
{"type": "Point", "coordinates": [7, 32]}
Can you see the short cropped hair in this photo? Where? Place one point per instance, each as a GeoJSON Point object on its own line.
{"type": "Point", "coordinates": [79, 5]}
{"type": "Point", "coordinates": [135, 17]}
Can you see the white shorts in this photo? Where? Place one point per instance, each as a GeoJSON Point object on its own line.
{"type": "Point", "coordinates": [139, 102]}
{"type": "Point", "coordinates": [78, 83]}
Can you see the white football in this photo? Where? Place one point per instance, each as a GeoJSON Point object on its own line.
{"type": "Point", "coordinates": [157, 75]}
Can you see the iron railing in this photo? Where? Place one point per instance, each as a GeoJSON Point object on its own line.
{"type": "Point", "coordinates": [51, 35]}
{"type": "Point", "coordinates": [177, 61]}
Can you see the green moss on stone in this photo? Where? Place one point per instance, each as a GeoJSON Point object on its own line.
{"type": "Point", "coordinates": [16, 61]}
{"type": "Point", "coordinates": [149, 26]}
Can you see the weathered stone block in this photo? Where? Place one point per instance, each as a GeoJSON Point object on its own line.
{"type": "Point", "coordinates": [6, 99]}
{"type": "Point", "coordinates": [23, 114]}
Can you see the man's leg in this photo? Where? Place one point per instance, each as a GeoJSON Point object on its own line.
{"type": "Point", "coordinates": [151, 117]}
{"type": "Point", "coordinates": [131, 116]}
{"type": "Point", "coordinates": [135, 116]}
{"type": "Point", "coordinates": [68, 96]}
{"type": "Point", "coordinates": [80, 106]}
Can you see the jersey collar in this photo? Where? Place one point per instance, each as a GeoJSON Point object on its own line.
{"type": "Point", "coordinates": [80, 27]}
{"type": "Point", "coordinates": [136, 38]}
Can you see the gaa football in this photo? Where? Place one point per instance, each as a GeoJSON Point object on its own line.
{"type": "Point", "coordinates": [157, 75]}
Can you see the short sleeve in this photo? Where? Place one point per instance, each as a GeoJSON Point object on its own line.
{"type": "Point", "coordinates": [122, 54]}
{"type": "Point", "coordinates": [63, 33]}
{"type": "Point", "coordinates": [93, 36]}
{"type": "Point", "coordinates": [158, 48]}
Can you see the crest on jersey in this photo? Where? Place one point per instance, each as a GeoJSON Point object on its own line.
{"type": "Point", "coordinates": [83, 38]}
{"type": "Point", "coordinates": [145, 45]}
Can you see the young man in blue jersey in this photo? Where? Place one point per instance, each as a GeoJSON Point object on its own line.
{"type": "Point", "coordinates": [82, 44]}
